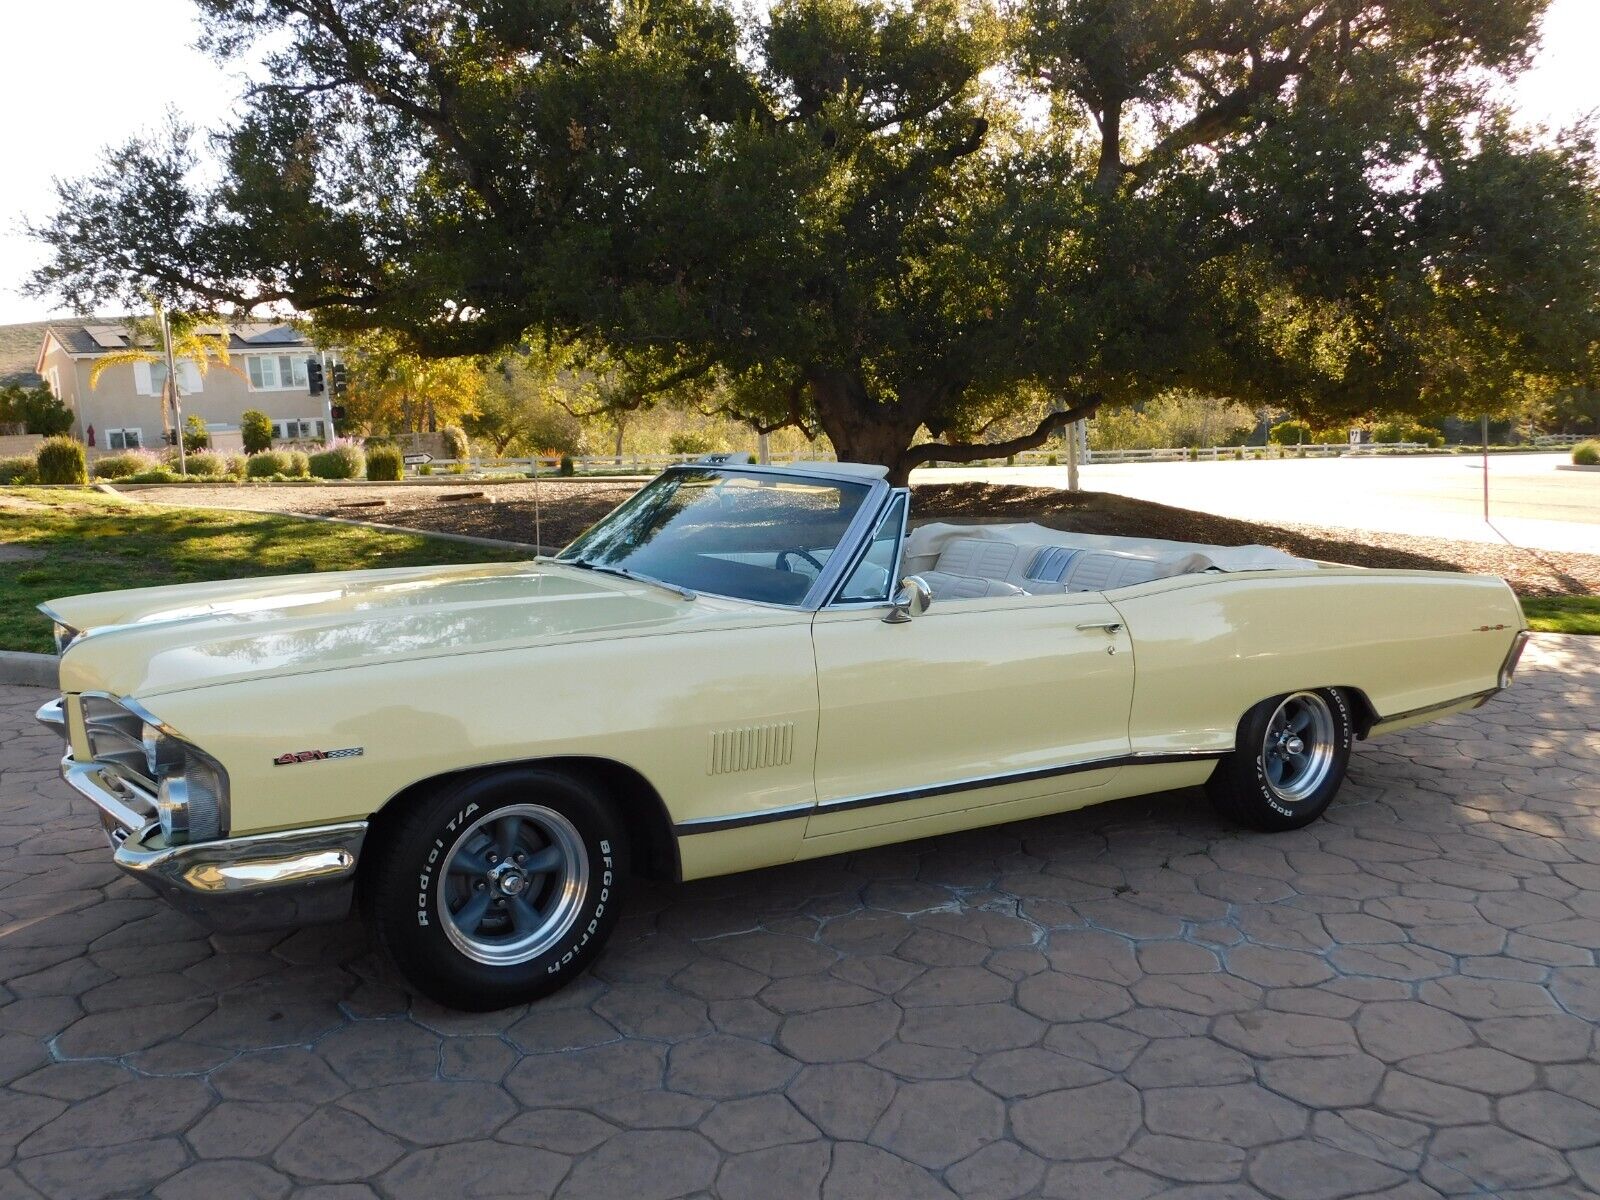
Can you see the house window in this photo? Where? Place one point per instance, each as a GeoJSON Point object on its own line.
{"type": "Point", "coordinates": [124, 439]}
{"type": "Point", "coordinates": [298, 429]}
{"type": "Point", "coordinates": [150, 378]}
{"type": "Point", "coordinates": [276, 372]}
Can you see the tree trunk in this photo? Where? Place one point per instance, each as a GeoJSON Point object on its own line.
{"type": "Point", "coordinates": [862, 429]}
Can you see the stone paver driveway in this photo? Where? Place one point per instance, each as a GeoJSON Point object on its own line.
{"type": "Point", "coordinates": [1130, 1001]}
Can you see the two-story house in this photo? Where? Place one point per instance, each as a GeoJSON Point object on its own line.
{"type": "Point", "coordinates": [267, 371]}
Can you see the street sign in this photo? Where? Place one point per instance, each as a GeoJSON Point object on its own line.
{"type": "Point", "coordinates": [416, 460]}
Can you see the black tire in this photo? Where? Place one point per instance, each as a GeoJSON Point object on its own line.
{"type": "Point", "coordinates": [488, 934]}
{"type": "Point", "coordinates": [1264, 784]}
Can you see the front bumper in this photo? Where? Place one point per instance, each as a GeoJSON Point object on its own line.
{"type": "Point", "coordinates": [265, 881]}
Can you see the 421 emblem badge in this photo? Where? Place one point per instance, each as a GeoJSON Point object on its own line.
{"type": "Point", "coordinates": [302, 756]}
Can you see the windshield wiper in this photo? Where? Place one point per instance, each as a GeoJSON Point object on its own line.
{"type": "Point", "coordinates": [625, 573]}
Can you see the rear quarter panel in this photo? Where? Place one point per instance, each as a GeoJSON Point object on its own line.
{"type": "Point", "coordinates": [1207, 648]}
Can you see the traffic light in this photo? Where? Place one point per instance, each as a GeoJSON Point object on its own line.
{"type": "Point", "coordinates": [341, 380]}
{"type": "Point", "coordinates": [314, 376]}
{"type": "Point", "coordinates": [338, 412]}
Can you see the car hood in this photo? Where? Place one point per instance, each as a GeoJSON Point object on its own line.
{"type": "Point", "coordinates": [151, 640]}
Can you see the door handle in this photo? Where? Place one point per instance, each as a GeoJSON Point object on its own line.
{"type": "Point", "coordinates": [1108, 626]}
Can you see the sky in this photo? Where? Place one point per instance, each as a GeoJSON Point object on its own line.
{"type": "Point", "coordinates": [105, 70]}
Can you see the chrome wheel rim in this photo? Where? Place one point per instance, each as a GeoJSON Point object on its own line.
{"type": "Point", "coordinates": [513, 884]}
{"type": "Point", "coordinates": [1297, 751]}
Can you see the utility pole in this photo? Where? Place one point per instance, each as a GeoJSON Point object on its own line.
{"type": "Point", "coordinates": [172, 382]}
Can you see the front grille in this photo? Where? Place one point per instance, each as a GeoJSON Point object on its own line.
{"type": "Point", "coordinates": [116, 741]}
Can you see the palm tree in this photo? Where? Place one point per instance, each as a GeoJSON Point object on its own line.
{"type": "Point", "coordinates": [168, 337]}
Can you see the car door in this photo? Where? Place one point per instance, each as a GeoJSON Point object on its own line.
{"type": "Point", "coordinates": [974, 702]}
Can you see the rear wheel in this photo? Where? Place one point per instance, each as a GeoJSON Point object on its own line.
{"type": "Point", "coordinates": [1288, 761]}
{"type": "Point", "coordinates": [498, 888]}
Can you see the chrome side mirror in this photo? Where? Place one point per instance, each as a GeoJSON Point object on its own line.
{"type": "Point", "coordinates": [911, 600]}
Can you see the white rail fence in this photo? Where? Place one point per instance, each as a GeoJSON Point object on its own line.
{"type": "Point", "coordinates": [650, 464]}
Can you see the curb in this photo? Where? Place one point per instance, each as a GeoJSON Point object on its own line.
{"type": "Point", "coordinates": [23, 669]}
{"type": "Point", "coordinates": [1577, 467]}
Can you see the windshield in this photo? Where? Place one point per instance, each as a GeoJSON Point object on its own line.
{"type": "Point", "coordinates": [752, 537]}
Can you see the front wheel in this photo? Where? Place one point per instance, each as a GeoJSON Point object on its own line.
{"type": "Point", "coordinates": [498, 888]}
{"type": "Point", "coordinates": [1290, 758]}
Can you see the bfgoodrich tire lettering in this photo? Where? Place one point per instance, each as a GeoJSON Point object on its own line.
{"type": "Point", "coordinates": [1289, 760]}
{"type": "Point", "coordinates": [498, 888]}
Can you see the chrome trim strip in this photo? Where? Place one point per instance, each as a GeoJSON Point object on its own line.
{"type": "Point", "coordinates": [1482, 698]}
{"type": "Point", "coordinates": [833, 601]}
{"type": "Point", "coordinates": [1143, 758]}
{"type": "Point", "coordinates": [739, 820]}
{"type": "Point", "coordinates": [1508, 666]}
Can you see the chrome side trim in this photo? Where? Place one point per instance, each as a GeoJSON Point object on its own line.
{"type": "Point", "coordinates": [1482, 698]}
{"type": "Point", "coordinates": [1146, 758]}
{"type": "Point", "coordinates": [739, 820]}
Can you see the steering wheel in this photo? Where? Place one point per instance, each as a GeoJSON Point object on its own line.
{"type": "Point", "coordinates": [782, 562]}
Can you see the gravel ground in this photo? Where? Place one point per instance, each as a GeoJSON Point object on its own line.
{"type": "Point", "coordinates": [566, 508]}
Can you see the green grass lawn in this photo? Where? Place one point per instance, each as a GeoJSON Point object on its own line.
{"type": "Point", "coordinates": [92, 543]}
{"type": "Point", "coordinates": [1563, 614]}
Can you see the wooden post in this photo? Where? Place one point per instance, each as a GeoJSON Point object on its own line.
{"type": "Point", "coordinates": [1073, 431]}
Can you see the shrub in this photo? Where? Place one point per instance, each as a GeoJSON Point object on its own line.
{"type": "Point", "coordinates": [156, 474]}
{"type": "Point", "coordinates": [693, 441]}
{"type": "Point", "coordinates": [121, 466]}
{"type": "Point", "coordinates": [567, 467]}
{"type": "Point", "coordinates": [267, 464]}
{"type": "Point", "coordinates": [255, 427]}
{"type": "Point", "coordinates": [207, 462]}
{"type": "Point", "coordinates": [36, 409]}
{"type": "Point", "coordinates": [18, 469]}
{"type": "Point", "coordinates": [195, 436]}
{"type": "Point", "coordinates": [455, 441]}
{"type": "Point", "coordinates": [299, 464]}
{"type": "Point", "coordinates": [1290, 433]}
{"type": "Point", "coordinates": [425, 469]}
{"type": "Point", "coordinates": [344, 461]}
{"type": "Point", "coordinates": [1407, 431]}
{"type": "Point", "coordinates": [385, 462]}
{"type": "Point", "coordinates": [61, 460]}
{"type": "Point", "coordinates": [1586, 454]}
{"type": "Point", "coordinates": [234, 465]}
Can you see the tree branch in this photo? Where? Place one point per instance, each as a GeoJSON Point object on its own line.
{"type": "Point", "coordinates": [927, 452]}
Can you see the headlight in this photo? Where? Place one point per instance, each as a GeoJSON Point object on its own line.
{"type": "Point", "coordinates": [188, 803]}
{"type": "Point", "coordinates": [65, 635]}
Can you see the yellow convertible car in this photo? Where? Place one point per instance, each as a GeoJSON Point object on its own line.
{"type": "Point", "coordinates": [739, 666]}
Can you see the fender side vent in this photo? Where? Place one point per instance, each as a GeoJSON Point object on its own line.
{"type": "Point", "coordinates": [750, 747]}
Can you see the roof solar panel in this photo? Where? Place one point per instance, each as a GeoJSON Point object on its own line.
{"type": "Point", "coordinates": [107, 337]}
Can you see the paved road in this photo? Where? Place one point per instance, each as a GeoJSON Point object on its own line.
{"type": "Point", "coordinates": [1532, 502]}
{"type": "Point", "coordinates": [1131, 1001]}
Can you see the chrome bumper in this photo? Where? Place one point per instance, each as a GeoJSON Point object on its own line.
{"type": "Point", "coordinates": [265, 881]}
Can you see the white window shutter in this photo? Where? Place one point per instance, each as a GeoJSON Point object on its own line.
{"type": "Point", "coordinates": [141, 379]}
{"type": "Point", "coordinates": [189, 377]}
